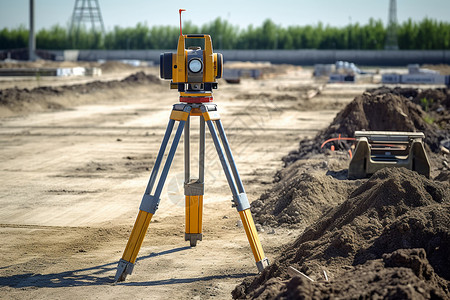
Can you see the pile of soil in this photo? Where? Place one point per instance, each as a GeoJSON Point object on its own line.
{"type": "Point", "coordinates": [314, 180]}
{"type": "Point", "coordinates": [434, 102]}
{"type": "Point", "coordinates": [387, 236]}
{"type": "Point", "coordinates": [115, 66]}
{"type": "Point", "coordinates": [15, 99]}
{"type": "Point", "coordinates": [140, 78]}
{"type": "Point", "coordinates": [389, 239]}
{"type": "Point", "coordinates": [386, 109]}
{"type": "Point", "coordinates": [303, 193]}
{"type": "Point", "coordinates": [437, 105]}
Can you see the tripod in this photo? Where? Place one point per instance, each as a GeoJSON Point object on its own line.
{"type": "Point", "coordinates": [193, 189]}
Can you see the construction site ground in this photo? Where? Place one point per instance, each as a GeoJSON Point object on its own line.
{"type": "Point", "coordinates": [73, 176]}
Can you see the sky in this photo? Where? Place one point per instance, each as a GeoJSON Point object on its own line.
{"type": "Point", "coordinates": [238, 12]}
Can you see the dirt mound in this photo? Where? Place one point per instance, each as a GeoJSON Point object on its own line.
{"type": "Point", "coordinates": [385, 109]}
{"type": "Point", "coordinates": [435, 98]}
{"type": "Point", "coordinates": [437, 104]}
{"type": "Point", "coordinates": [409, 93]}
{"type": "Point", "coordinates": [17, 100]}
{"type": "Point", "coordinates": [383, 112]}
{"type": "Point", "coordinates": [434, 102]}
{"type": "Point", "coordinates": [406, 278]}
{"type": "Point", "coordinates": [302, 195]}
{"type": "Point", "coordinates": [395, 209]}
{"type": "Point", "coordinates": [141, 77]}
{"type": "Point", "coordinates": [115, 66]}
{"type": "Point", "coordinates": [314, 179]}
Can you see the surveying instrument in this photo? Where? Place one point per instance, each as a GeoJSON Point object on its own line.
{"type": "Point", "coordinates": [194, 72]}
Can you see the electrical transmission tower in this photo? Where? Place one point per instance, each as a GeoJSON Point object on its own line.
{"type": "Point", "coordinates": [87, 11]}
{"type": "Point", "coordinates": [391, 36]}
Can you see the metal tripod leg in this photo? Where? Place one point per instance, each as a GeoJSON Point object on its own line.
{"type": "Point", "coordinates": [149, 203]}
{"type": "Point", "coordinates": [239, 196]}
{"type": "Point", "coordinates": [194, 188]}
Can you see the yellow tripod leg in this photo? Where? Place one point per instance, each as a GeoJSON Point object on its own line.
{"type": "Point", "coordinates": [253, 239]}
{"type": "Point", "coordinates": [150, 202]}
{"type": "Point", "coordinates": [194, 212]}
{"type": "Point", "coordinates": [126, 264]}
{"type": "Point", "coordinates": [240, 200]}
{"type": "Point", "coordinates": [137, 236]}
{"type": "Point", "coordinates": [194, 188]}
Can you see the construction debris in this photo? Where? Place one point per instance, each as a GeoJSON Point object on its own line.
{"type": "Point", "coordinates": [294, 272]}
{"type": "Point", "coordinates": [341, 71]}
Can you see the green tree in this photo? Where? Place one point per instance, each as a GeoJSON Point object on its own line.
{"type": "Point", "coordinates": [225, 34]}
{"type": "Point", "coordinates": [427, 34]}
{"type": "Point", "coordinates": [14, 38]}
{"type": "Point", "coordinates": [55, 38]}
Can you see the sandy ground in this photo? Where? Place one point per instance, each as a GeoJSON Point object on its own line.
{"type": "Point", "coordinates": [72, 181]}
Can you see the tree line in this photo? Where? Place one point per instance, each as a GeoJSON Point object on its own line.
{"type": "Point", "coordinates": [427, 34]}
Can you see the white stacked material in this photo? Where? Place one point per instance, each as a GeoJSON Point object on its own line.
{"type": "Point", "coordinates": [391, 78]}
{"type": "Point", "coordinates": [414, 78]}
{"type": "Point", "coordinates": [415, 75]}
{"type": "Point", "coordinates": [77, 71]}
{"type": "Point", "coordinates": [423, 78]}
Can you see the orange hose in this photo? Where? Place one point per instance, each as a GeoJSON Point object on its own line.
{"type": "Point", "coordinates": [337, 139]}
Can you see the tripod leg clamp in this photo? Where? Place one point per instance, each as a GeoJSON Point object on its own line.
{"type": "Point", "coordinates": [123, 269]}
{"type": "Point", "coordinates": [241, 202]}
{"type": "Point", "coordinates": [149, 203]}
{"type": "Point", "coordinates": [194, 188]}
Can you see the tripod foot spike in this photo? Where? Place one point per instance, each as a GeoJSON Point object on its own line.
{"type": "Point", "coordinates": [124, 268]}
{"type": "Point", "coordinates": [262, 264]}
{"type": "Point", "coordinates": [193, 238]}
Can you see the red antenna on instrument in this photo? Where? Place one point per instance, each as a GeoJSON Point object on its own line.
{"type": "Point", "coordinates": [180, 10]}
